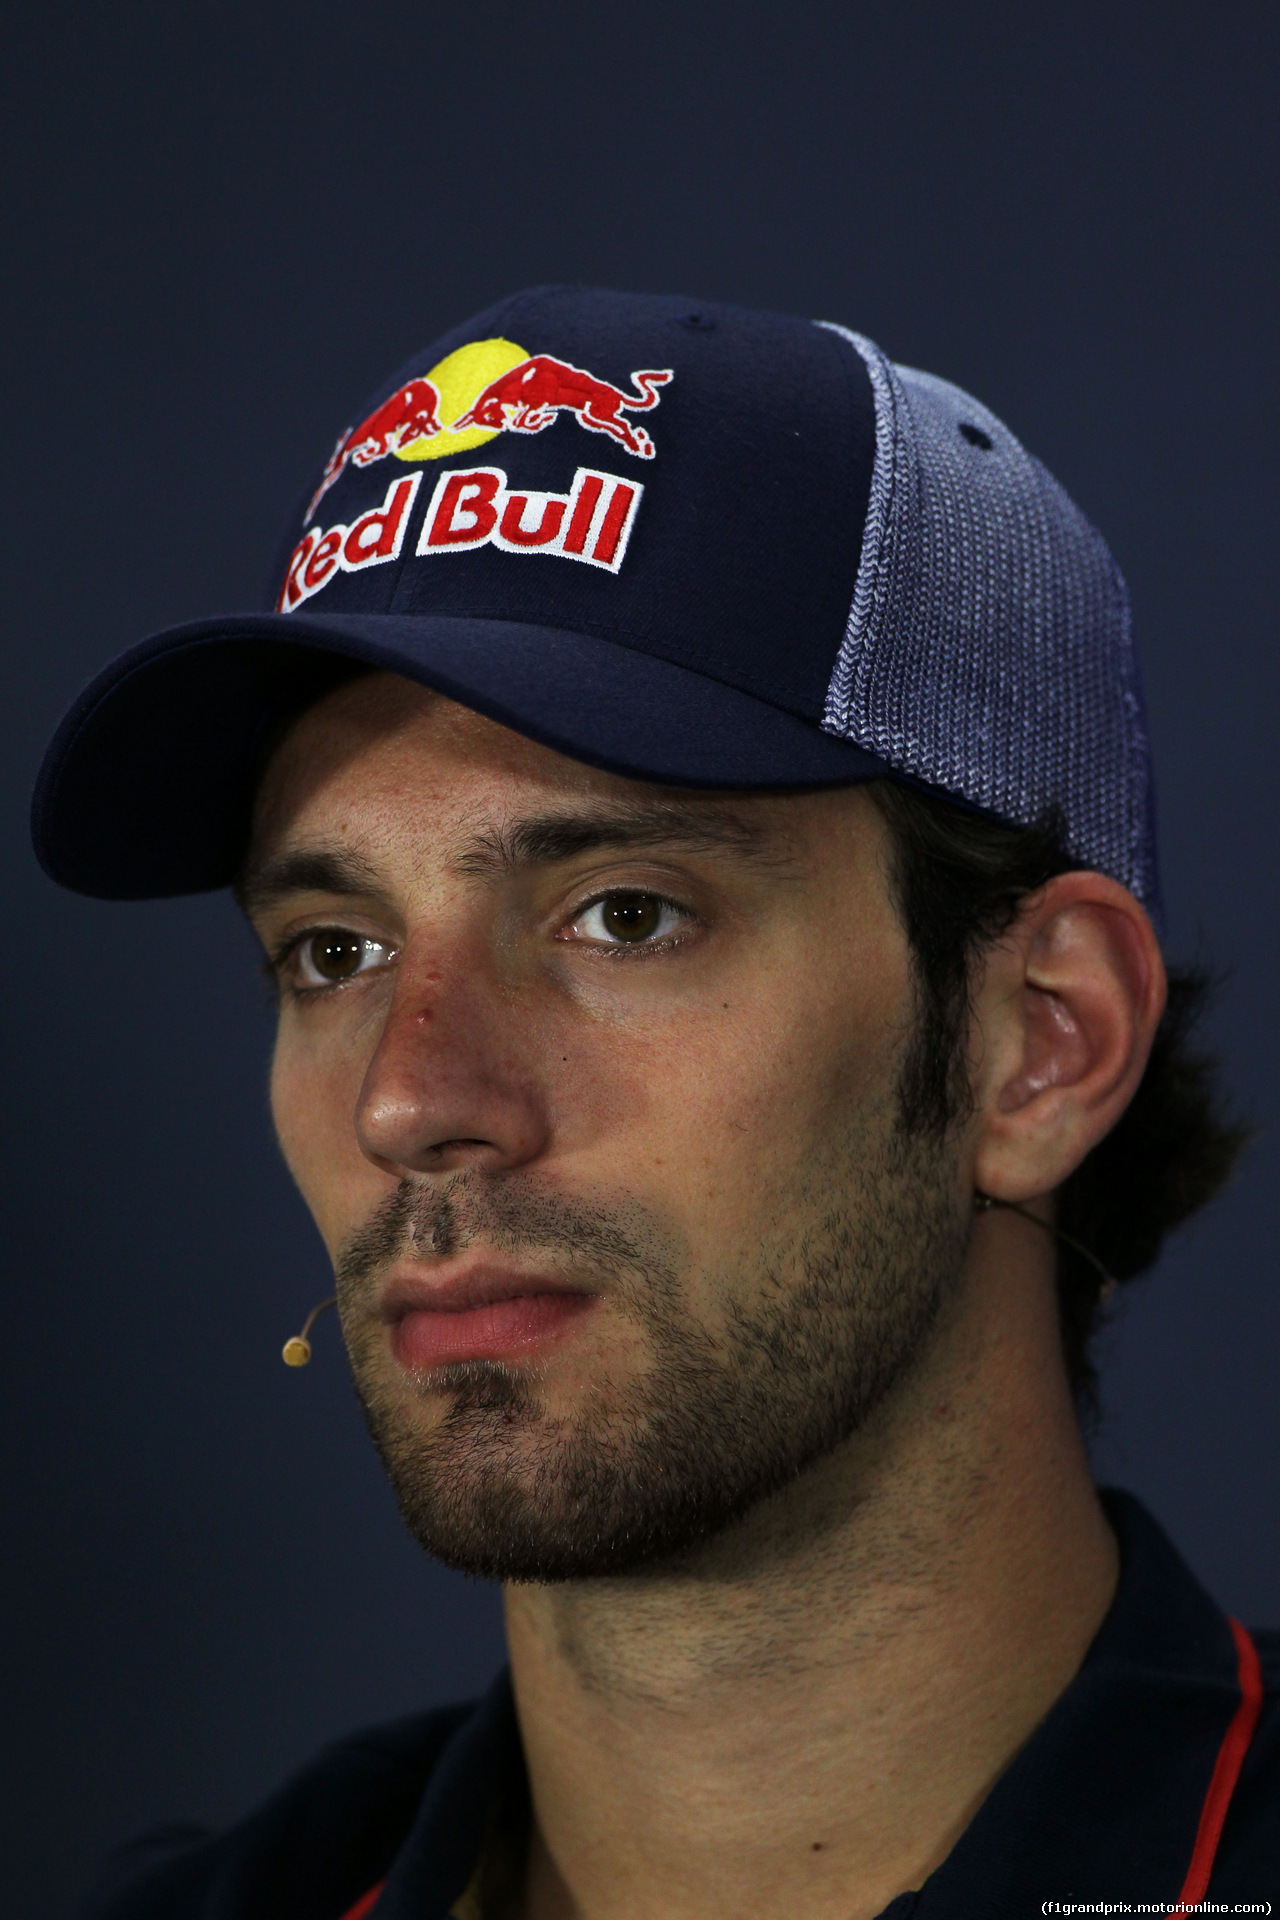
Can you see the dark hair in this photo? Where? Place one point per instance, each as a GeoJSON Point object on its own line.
{"type": "Point", "coordinates": [959, 879]}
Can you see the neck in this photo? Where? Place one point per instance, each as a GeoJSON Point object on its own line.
{"type": "Point", "coordinates": [805, 1715]}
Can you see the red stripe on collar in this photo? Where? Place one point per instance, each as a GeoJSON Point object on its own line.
{"type": "Point", "coordinates": [365, 1904]}
{"type": "Point", "coordinates": [1226, 1771]}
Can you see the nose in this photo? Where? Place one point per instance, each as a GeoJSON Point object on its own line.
{"type": "Point", "coordinates": [452, 1083]}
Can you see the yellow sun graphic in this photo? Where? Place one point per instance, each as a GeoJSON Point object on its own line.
{"type": "Point", "coordinates": [460, 379]}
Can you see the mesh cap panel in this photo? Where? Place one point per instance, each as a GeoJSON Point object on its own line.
{"type": "Point", "coordinates": [990, 630]}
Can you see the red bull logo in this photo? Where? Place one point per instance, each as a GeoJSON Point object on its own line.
{"type": "Point", "coordinates": [486, 388]}
{"type": "Point", "coordinates": [533, 394]}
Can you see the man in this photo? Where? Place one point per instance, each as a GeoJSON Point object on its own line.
{"type": "Point", "coordinates": [693, 797]}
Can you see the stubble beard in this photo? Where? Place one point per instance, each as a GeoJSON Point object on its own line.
{"type": "Point", "coordinates": [833, 1316]}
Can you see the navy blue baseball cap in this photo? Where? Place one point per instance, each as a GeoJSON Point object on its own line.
{"type": "Point", "coordinates": [694, 544]}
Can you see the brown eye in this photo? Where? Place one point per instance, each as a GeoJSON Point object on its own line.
{"type": "Point", "coordinates": [335, 956]}
{"type": "Point", "coordinates": [631, 916]}
{"type": "Point", "coordinates": [332, 956]}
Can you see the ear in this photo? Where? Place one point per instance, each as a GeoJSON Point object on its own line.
{"type": "Point", "coordinates": [1065, 1014]}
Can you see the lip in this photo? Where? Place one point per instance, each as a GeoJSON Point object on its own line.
{"type": "Point", "coordinates": [478, 1312]}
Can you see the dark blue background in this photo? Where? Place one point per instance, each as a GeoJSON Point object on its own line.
{"type": "Point", "coordinates": [224, 224]}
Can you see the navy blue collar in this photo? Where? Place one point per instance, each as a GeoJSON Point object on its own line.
{"type": "Point", "coordinates": [1102, 1802]}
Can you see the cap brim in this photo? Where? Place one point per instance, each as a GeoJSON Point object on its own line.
{"type": "Point", "coordinates": [147, 787]}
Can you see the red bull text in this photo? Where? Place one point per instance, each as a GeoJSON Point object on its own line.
{"type": "Point", "coordinates": [592, 522]}
{"type": "Point", "coordinates": [473, 507]}
{"type": "Point", "coordinates": [371, 541]}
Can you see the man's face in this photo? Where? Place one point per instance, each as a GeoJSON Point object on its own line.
{"type": "Point", "coordinates": [591, 1088]}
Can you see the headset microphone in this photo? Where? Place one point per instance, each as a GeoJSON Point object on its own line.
{"type": "Point", "coordinates": [983, 1203]}
{"type": "Point", "coordinates": [297, 1350]}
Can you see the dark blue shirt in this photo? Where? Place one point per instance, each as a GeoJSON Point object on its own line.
{"type": "Point", "coordinates": [1103, 1802]}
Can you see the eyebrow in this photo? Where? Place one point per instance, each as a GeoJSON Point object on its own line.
{"type": "Point", "coordinates": [308, 870]}
{"type": "Point", "coordinates": [543, 839]}
{"type": "Point", "coordinates": [538, 840]}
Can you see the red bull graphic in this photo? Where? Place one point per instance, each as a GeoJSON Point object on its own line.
{"type": "Point", "coordinates": [532, 395]}
{"type": "Point", "coordinates": [489, 387]}
{"type": "Point", "coordinates": [409, 415]}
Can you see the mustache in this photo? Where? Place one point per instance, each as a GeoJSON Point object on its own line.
{"type": "Point", "coordinates": [511, 1215]}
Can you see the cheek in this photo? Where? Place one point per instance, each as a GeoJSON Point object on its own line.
{"type": "Point", "coordinates": [313, 1100]}
{"type": "Point", "coordinates": [722, 1111]}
